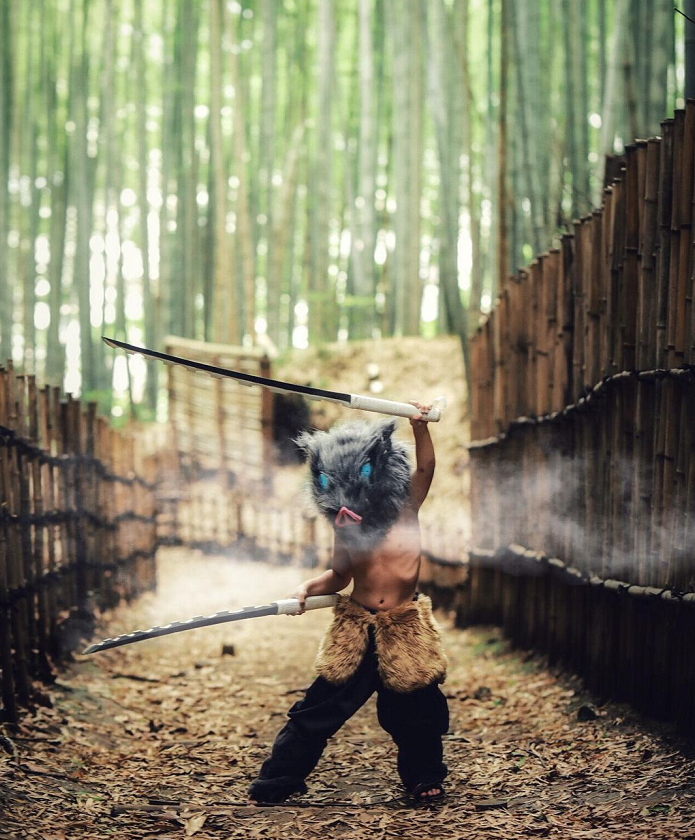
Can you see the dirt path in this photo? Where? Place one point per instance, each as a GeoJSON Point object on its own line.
{"type": "Point", "coordinates": [174, 720]}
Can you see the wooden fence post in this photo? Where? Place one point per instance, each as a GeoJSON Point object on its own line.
{"type": "Point", "coordinates": [583, 410]}
{"type": "Point", "coordinates": [8, 622]}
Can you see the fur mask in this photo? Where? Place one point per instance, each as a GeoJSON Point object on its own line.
{"type": "Point", "coordinates": [360, 479]}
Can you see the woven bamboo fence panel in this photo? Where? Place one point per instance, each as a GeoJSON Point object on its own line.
{"type": "Point", "coordinates": [583, 463]}
{"type": "Point", "coordinates": [214, 518]}
{"type": "Point", "coordinates": [77, 531]}
{"type": "Point", "coordinates": [221, 426]}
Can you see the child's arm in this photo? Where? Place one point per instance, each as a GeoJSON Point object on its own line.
{"type": "Point", "coordinates": [424, 457]}
{"type": "Point", "coordinates": [332, 580]}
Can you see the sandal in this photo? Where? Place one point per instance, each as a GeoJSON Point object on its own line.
{"type": "Point", "coordinates": [419, 792]}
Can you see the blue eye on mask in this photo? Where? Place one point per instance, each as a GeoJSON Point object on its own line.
{"type": "Point", "coordinates": [366, 470]}
{"type": "Point", "coordinates": [323, 481]}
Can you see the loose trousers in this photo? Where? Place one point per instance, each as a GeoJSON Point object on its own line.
{"type": "Point", "coordinates": [415, 720]}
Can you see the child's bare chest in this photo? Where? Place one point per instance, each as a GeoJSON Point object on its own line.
{"type": "Point", "coordinates": [391, 569]}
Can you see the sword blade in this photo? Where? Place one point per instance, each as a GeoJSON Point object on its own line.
{"type": "Point", "coordinates": [180, 626]}
{"type": "Point", "coordinates": [244, 378]}
{"type": "Point", "coordinates": [285, 606]}
{"type": "Point", "coordinates": [356, 401]}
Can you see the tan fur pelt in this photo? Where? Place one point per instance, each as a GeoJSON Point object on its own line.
{"type": "Point", "coordinates": [345, 641]}
{"type": "Point", "coordinates": [408, 645]}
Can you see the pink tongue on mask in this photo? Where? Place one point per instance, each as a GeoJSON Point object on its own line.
{"type": "Point", "coordinates": [346, 517]}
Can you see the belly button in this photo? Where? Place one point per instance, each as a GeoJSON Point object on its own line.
{"type": "Point", "coordinates": [381, 601]}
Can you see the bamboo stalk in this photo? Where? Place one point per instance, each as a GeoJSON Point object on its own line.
{"type": "Point", "coordinates": [589, 302]}
{"type": "Point", "coordinates": [646, 285]}
{"type": "Point", "coordinates": [220, 422]}
{"type": "Point", "coordinates": [563, 379]}
{"type": "Point", "coordinates": [685, 252]}
{"type": "Point", "coordinates": [551, 274]}
{"type": "Point", "coordinates": [38, 552]}
{"type": "Point", "coordinates": [662, 391]}
{"type": "Point", "coordinates": [543, 380]}
{"type": "Point", "coordinates": [25, 528]}
{"type": "Point", "coordinates": [606, 301]}
{"type": "Point", "coordinates": [670, 408]}
{"type": "Point", "coordinates": [678, 432]}
{"type": "Point", "coordinates": [533, 336]}
{"type": "Point", "coordinates": [629, 278]}
{"type": "Point", "coordinates": [49, 506]}
{"type": "Point", "coordinates": [77, 445]}
{"type": "Point", "coordinates": [523, 346]}
{"type": "Point", "coordinates": [595, 294]}
{"type": "Point", "coordinates": [266, 398]}
{"type": "Point", "coordinates": [680, 539]}
{"type": "Point", "coordinates": [629, 306]}
{"type": "Point", "coordinates": [7, 625]}
{"type": "Point", "coordinates": [94, 557]}
{"type": "Point", "coordinates": [61, 501]}
{"type": "Point", "coordinates": [675, 236]}
{"type": "Point", "coordinates": [16, 577]}
{"type": "Point", "coordinates": [518, 342]}
{"type": "Point", "coordinates": [617, 268]}
{"type": "Point", "coordinates": [663, 251]}
{"type": "Point", "coordinates": [579, 315]}
{"type": "Point", "coordinates": [644, 416]}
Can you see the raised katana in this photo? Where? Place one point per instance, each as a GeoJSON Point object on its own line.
{"type": "Point", "coordinates": [286, 606]}
{"type": "Point", "coordinates": [397, 409]}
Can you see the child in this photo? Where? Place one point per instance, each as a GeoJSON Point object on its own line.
{"type": "Point", "coordinates": [383, 637]}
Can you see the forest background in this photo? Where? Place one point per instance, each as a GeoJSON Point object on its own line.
{"type": "Point", "coordinates": [292, 172]}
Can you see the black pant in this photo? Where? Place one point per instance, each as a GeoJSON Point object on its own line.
{"type": "Point", "coordinates": [415, 720]}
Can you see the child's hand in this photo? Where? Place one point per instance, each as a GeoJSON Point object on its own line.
{"type": "Point", "coordinates": [418, 419]}
{"type": "Point", "coordinates": [300, 594]}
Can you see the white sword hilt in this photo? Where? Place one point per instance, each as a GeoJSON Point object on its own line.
{"type": "Point", "coordinates": [398, 409]}
{"type": "Point", "coordinates": [290, 606]}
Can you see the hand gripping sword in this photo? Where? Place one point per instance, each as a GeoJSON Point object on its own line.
{"type": "Point", "coordinates": [286, 606]}
{"type": "Point", "coordinates": [398, 409]}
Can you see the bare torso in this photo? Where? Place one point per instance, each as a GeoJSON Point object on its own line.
{"type": "Point", "coordinates": [388, 575]}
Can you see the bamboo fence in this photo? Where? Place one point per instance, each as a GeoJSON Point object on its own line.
{"type": "Point", "coordinates": [583, 463]}
{"type": "Point", "coordinates": [78, 528]}
{"type": "Point", "coordinates": [221, 426]}
{"type": "Point", "coordinates": [214, 518]}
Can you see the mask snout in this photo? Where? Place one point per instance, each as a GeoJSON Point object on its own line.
{"type": "Point", "coordinates": [346, 517]}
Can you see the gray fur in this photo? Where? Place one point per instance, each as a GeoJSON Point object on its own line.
{"type": "Point", "coordinates": [340, 454]}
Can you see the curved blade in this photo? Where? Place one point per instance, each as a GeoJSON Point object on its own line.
{"type": "Point", "coordinates": [179, 626]}
{"type": "Point", "coordinates": [243, 378]}
{"type": "Point", "coordinates": [357, 401]}
{"type": "Point", "coordinates": [285, 606]}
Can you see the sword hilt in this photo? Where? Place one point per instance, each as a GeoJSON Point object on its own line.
{"type": "Point", "coordinates": [290, 606]}
{"type": "Point", "coordinates": [398, 409]}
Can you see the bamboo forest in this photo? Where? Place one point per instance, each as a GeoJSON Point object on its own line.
{"type": "Point", "coordinates": [296, 172]}
{"type": "Point", "coordinates": [378, 315]}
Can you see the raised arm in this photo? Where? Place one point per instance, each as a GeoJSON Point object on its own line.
{"type": "Point", "coordinates": [424, 458]}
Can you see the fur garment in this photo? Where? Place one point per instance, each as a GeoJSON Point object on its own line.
{"type": "Point", "coordinates": [408, 645]}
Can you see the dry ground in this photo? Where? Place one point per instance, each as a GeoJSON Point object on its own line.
{"type": "Point", "coordinates": [160, 739]}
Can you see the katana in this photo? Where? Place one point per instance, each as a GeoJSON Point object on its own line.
{"type": "Point", "coordinates": [285, 606]}
{"type": "Point", "coordinates": [398, 409]}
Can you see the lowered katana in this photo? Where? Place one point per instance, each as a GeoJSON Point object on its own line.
{"type": "Point", "coordinates": [398, 409]}
{"type": "Point", "coordinates": [285, 606]}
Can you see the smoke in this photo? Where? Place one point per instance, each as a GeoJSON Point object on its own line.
{"type": "Point", "coordinates": [593, 511]}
